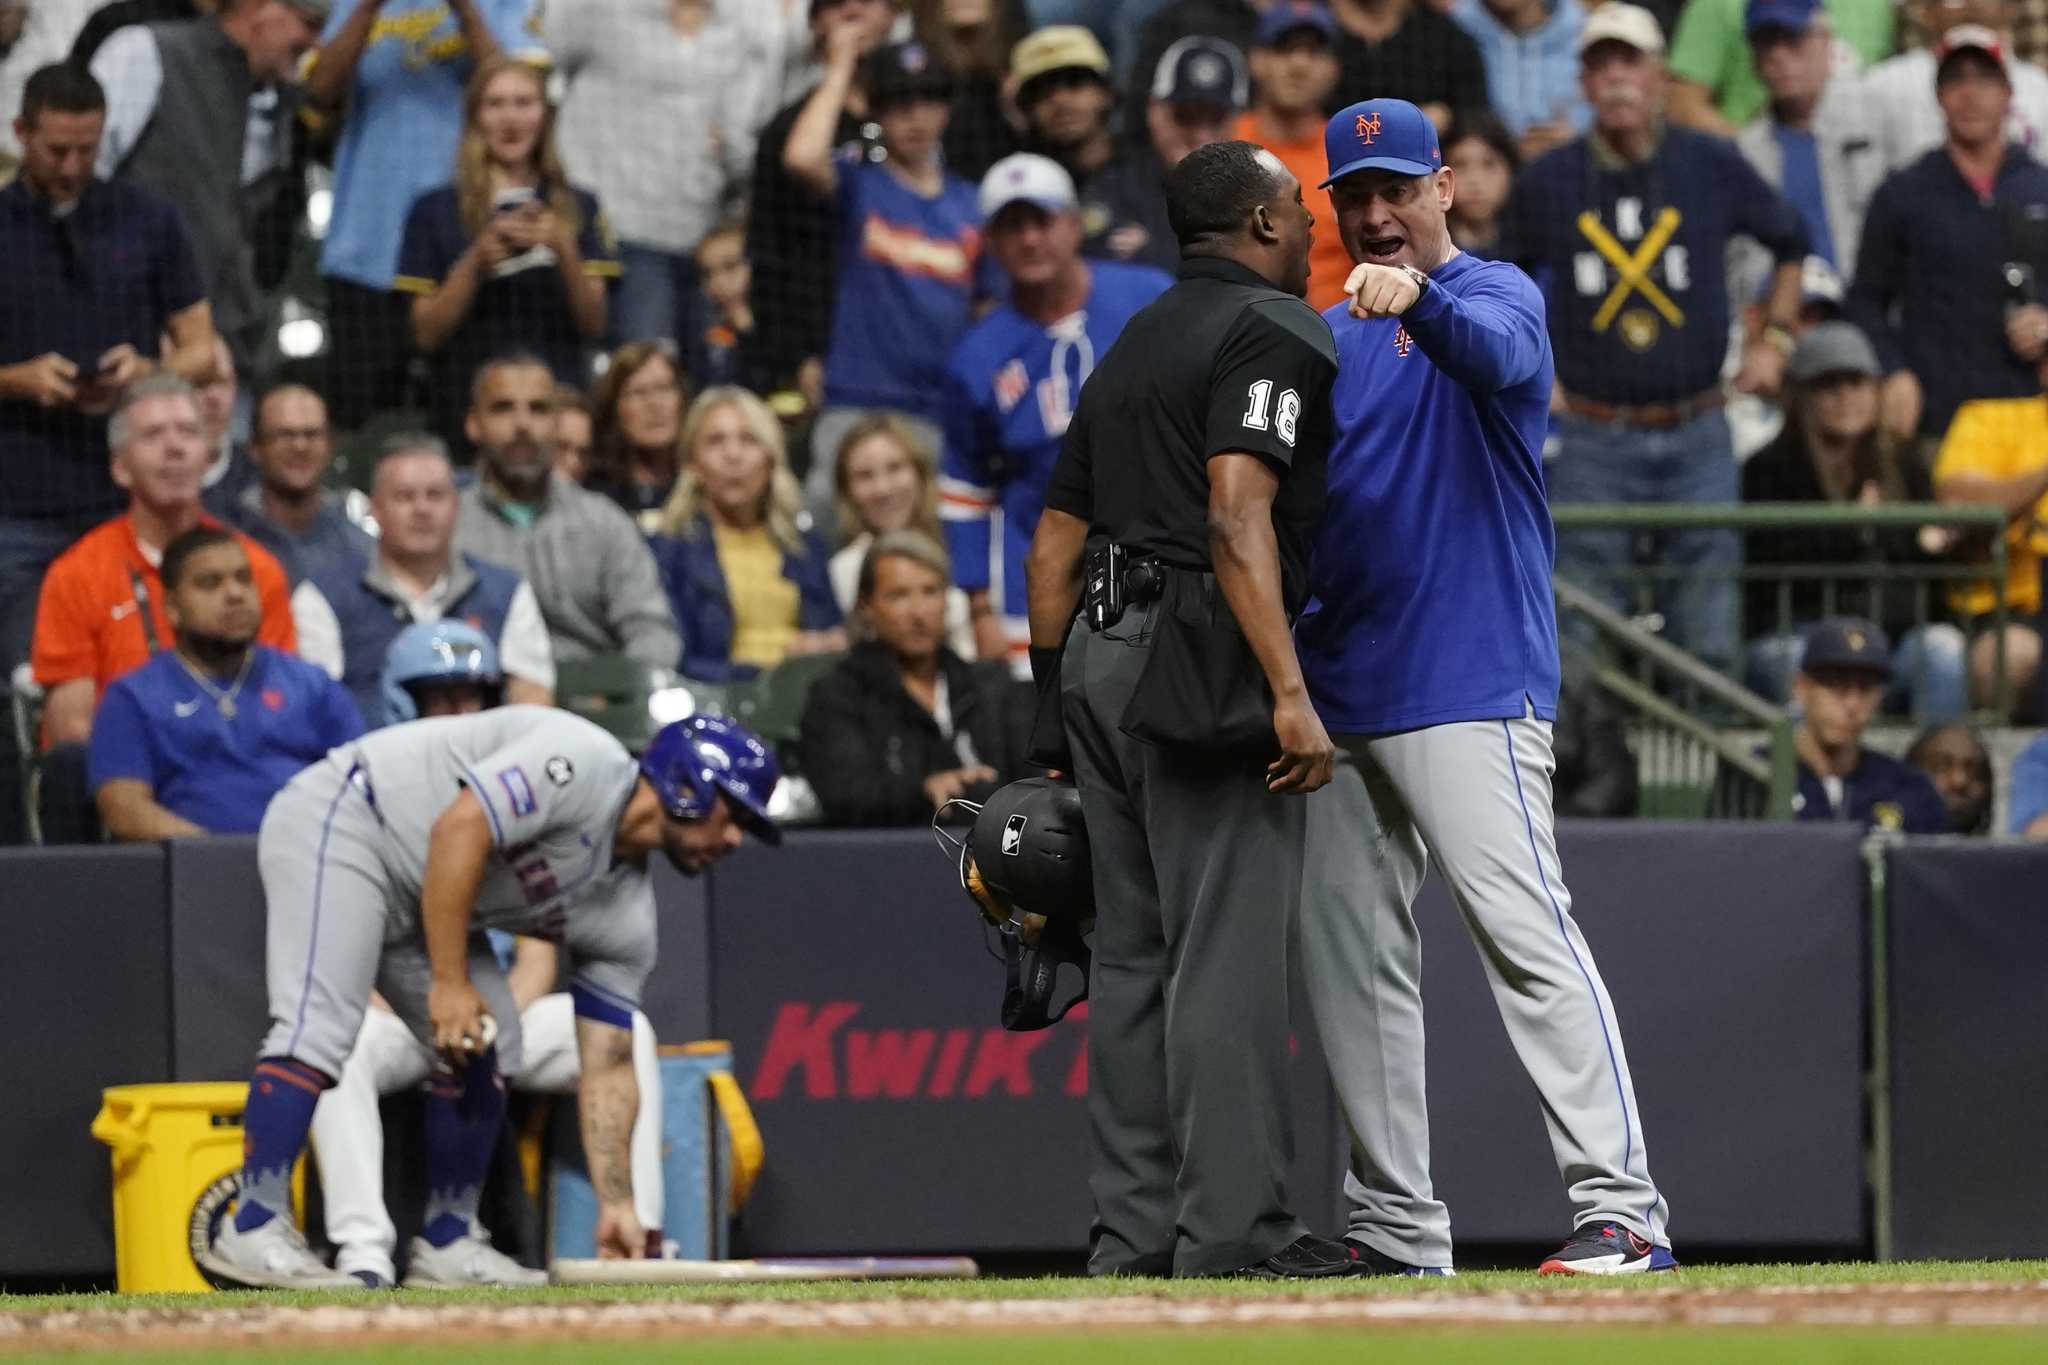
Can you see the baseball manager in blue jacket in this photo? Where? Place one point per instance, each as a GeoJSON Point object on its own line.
{"type": "Point", "coordinates": [1430, 649]}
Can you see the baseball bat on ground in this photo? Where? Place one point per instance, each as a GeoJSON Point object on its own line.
{"type": "Point", "coordinates": [593, 1272]}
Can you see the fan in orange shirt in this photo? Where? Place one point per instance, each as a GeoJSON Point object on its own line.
{"type": "Point", "coordinates": [1294, 71]}
{"type": "Point", "coordinates": [101, 611]}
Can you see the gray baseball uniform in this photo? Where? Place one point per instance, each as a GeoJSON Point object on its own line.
{"type": "Point", "coordinates": [1475, 795]}
{"type": "Point", "coordinates": [343, 850]}
{"type": "Point", "coordinates": [1431, 654]}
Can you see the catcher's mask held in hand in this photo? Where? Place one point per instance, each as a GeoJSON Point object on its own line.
{"type": "Point", "coordinates": [1026, 865]}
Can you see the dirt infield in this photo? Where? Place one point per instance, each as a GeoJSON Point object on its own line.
{"type": "Point", "coordinates": [1883, 1306]}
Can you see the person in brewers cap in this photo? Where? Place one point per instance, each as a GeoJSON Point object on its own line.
{"type": "Point", "coordinates": [383, 864]}
{"type": "Point", "coordinates": [1198, 89]}
{"type": "Point", "coordinates": [1842, 679]}
{"type": "Point", "coordinates": [1013, 381]}
{"type": "Point", "coordinates": [1430, 650]}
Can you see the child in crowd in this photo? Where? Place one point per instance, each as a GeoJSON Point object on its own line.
{"type": "Point", "coordinates": [722, 351]}
{"type": "Point", "coordinates": [911, 264]}
{"type": "Point", "coordinates": [1482, 156]}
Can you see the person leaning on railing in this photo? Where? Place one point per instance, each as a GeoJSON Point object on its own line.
{"type": "Point", "coordinates": [1833, 450]}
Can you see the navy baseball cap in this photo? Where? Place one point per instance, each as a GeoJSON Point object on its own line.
{"type": "Point", "coordinates": [1291, 16]}
{"type": "Point", "coordinates": [1202, 70]}
{"type": "Point", "coordinates": [1792, 16]}
{"type": "Point", "coordinates": [901, 72]}
{"type": "Point", "coordinates": [1847, 644]}
{"type": "Point", "coordinates": [1381, 135]}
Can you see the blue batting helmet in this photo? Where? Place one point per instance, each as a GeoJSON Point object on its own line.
{"type": "Point", "coordinates": [689, 762]}
{"type": "Point", "coordinates": [438, 654]}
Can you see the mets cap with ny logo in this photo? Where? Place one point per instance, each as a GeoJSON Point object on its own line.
{"type": "Point", "coordinates": [1381, 135]}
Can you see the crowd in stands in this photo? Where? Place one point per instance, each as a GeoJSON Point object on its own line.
{"type": "Point", "coordinates": [719, 333]}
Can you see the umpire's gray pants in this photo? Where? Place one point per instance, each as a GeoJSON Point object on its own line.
{"type": "Point", "coordinates": [1197, 874]}
{"type": "Point", "coordinates": [1476, 796]}
{"type": "Point", "coordinates": [326, 892]}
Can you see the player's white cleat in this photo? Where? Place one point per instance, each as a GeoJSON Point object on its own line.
{"type": "Point", "coordinates": [465, 1263]}
{"type": "Point", "coordinates": [274, 1256]}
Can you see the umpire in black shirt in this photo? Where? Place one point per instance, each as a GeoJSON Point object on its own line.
{"type": "Point", "coordinates": [1178, 523]}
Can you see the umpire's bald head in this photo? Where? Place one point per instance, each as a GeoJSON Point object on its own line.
{"type": "Point", "coordinates": [1237, 200]}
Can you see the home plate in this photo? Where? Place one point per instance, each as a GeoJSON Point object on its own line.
{"type": "Point", "coordinates": [740, 1272]}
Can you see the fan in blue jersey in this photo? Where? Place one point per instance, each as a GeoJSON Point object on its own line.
{"type": "Point", "coordinates": [1013, 381]}
{"type": "Point", "coordinates": [911, 266]}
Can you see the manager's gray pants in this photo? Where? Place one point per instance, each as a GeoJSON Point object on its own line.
{"type": "Point", "coordinates": [1475, 796]}
{"type": "Point", "coordinates": [1197, 876]}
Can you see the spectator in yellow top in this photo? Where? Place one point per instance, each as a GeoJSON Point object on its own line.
{"type": "Point", "coordinates": [1996, 451]}
{"type": "Point", "coordinates": [747, 580]}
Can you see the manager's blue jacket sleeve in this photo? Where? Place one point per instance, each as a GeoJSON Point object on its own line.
{"type": "Point", "coordinates": [1489, 338]}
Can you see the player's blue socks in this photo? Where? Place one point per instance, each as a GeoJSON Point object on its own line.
{"type": "Point", "coordinates": [282, 1094]}
{"type": "Point", "coordinates": [463, 1113]}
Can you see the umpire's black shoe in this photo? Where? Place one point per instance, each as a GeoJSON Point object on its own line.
{"type": "Point", "coordinates": [1372, 1262]}
{"type": "Point", "coordinates": [1307, 1257]}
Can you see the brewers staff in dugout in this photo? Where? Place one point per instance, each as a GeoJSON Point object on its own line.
{"type": "Point", "coordinates": [1431, 652]}
{"type": "Point", "coordinates": [1184, 500]}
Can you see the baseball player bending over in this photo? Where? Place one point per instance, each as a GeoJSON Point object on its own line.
{"type": "Point", "coordinates": [1432, 659]}
{"type": "Point", "coordinates": [450, 668]}
{"type": "Point", "coordinates": [382, 861]}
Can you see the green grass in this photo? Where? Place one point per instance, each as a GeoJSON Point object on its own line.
{"type": "Point", "coordinates": [1224, 1347]}
{"type": "Point", "coordinates": [1077, 1287]}
{"type": "Point", "coordinates": [1390, 1345]}
{"type": "Point", "coordinates": [1080, 1288]}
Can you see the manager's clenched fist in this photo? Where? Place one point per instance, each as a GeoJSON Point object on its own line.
{"type": "Point", "coordinates": [1381, 291]}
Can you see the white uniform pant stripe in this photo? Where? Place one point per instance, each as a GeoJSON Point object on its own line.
{"type": "Point", "coordinates": [1621, 1094]}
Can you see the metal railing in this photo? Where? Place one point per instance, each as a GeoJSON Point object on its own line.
{"type": "Point", "coordinates": [1689, 765]}
{"type": "Point", "coordinates": [1868, 586]}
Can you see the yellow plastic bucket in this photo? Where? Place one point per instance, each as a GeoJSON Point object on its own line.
{"type": "Point", "coordinates": [177, 1152]}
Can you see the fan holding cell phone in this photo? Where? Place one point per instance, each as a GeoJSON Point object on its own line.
{"type": "Point", "coordinates": [508, 256]}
